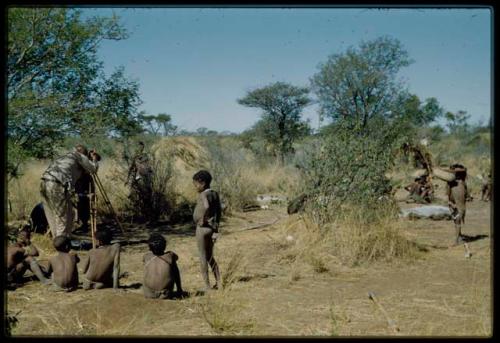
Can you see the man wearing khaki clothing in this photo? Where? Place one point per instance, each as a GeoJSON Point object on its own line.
{"type": "Point", "coordinates": [57, 184]}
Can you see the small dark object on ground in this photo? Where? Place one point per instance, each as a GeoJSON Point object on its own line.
{"type": "Point", "coordinates": [38, 220]}
{"type": "Point", "coordinates": [297, 204]}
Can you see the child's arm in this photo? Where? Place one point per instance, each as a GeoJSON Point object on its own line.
{"type": "Point", "coordinates": [218, 212]}
{"type": "Point", "coordinates": [49, 268]}
{"type": "Point", "coordinates": [31, 250]}
{"type": "Point", "coordinates": [116, 266]}
{"type": "Point", "coordinates": [206, 206]}
{"type": "Point", "coordinates": [175, 271]}
{"type": "Point", "coordinates": [86, 264]}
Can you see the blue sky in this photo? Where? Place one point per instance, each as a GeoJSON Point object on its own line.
{"type": "Point", "coordinates": [194, 63]}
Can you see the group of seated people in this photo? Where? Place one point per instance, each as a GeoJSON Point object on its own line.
{"type": "Point", "coordinates": [421, 190]}
{"type": "Point", "coordinates": [101, 268]}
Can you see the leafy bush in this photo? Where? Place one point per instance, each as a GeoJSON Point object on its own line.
{"type": "Point", "coordinates": [350, 167]}
{"type": "Point", "coordinates": [228, 164]}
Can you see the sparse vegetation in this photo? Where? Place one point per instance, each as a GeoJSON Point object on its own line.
{"type": "Point", "coordinates": [222, 311]}
{"type": "Point", "coordinates": [278, 272]}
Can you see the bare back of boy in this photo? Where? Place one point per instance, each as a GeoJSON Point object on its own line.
{"type": "Point", "coordinates": [158, 272]}
{"type": "Point", "coordinates": [64, 271]}
{"type": "Point", "coordinates": [102, 267]}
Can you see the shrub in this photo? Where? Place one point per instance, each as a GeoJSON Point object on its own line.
{"type": "Point", "coordinates": [228, 164]}
{"type": "Point", "coordinates": [350, 167]}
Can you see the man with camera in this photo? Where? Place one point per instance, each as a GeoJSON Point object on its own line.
{"type": "Point", "coordinates": [58, 184]}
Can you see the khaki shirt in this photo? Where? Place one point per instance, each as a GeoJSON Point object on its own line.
{"type": "Point", "coordinates": [69, 168]}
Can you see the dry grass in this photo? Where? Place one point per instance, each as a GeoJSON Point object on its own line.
{"type": "Point", "coordinates": [224, 312]}
{"type": "Point", "coordinates": [288, 298]}
{"type": "Point", "coordinates": [233, 268]}
{"type": "Point", "coordinates": [338, 319]}
{"type": "Point", "coordinates": [24, 193]}
{"type": "Point", "coordinates": [346, 240]}
{"type": "Point", "coordinates": [44, 244]}
{"type": "Point", "coordinates": [381, 239]}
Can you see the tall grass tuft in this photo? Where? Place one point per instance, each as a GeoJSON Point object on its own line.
{"type": "Point", "coordinates": [365, 235]}
{"type": "Point", "coordinates": [234, 266]}
{"type": "Point", "coordinates": [225, 313]}
{"type": "Point", "coordinates": [354, 238]}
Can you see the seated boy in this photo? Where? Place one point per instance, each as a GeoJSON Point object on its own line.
{"type": "Point", "coordinates": [63, 266]}
{"type": "Point", "coordinates": [102, 267]}
{"type": "Point", "coordinates": [161, 272]}
{"type": "Point", "coordinates": [415, 191]}
{"type": "Point", "coordinates": [21, 257]}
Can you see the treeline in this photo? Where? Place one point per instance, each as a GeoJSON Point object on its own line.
{"type": "Point", "coordinates": [58, 93]}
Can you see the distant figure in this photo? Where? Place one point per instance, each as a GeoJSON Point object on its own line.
{"type": "Point", "coordinates": [21, 257]}
{"type": "Point", "coordinates": [102, 267]}
{"type": "Point", "coordinates": [486, 189]}
{"type": "Point", "coordinates": [140, 178]}
{"type": "Point", "coordinates": [297, 204]}
{"type": "Point", "coordinates": [58, 183]}
{"type": "Point", "coordinates": [421, 191]}
{"type": "Point", "coordinates": [206, 216]}
{"type": "Point", "coordinates": [63, 267]}
{"type": "Point", "coordinates": [161, 272]}
{"type": "Point", "coordinates": [427, 189]}
{"type": "Point", "coordinates": [456, 191]}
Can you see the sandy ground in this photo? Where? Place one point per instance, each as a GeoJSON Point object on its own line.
{"type": "Point", "coordinates": [442, 293]}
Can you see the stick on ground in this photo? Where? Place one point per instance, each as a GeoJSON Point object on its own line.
{"type": "Point", "coordinates": [390, 322]}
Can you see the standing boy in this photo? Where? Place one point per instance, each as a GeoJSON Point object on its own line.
{"type": "Point", "coordinates": [161, 272]}
{"type": "Point", "coordinates": [206, 216]}
{"type": "Point", "coordinates": [102, 267]}
{"type": "Point", "coordinates": [63, 266]}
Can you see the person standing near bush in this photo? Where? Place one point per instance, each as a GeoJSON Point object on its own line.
{"type": "Point", "coordinates": [58, 183]}
{"type": "Point", "coordinates": [457, 191]}
{"type": "Point", "coordinates": [206, 216]}
{"type": "Point", "coordinates": [140, 178]}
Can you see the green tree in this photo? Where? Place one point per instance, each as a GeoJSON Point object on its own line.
{"type": "Point", "coordinates": [165, 122]}
{"type": "Point", "coordinates": [149, 123]}
{"type": "Point", "coordinates": [422, 114]}
{"type": "Point", "coordinates": [55, 82]}
{"type": "Point", "coordinates": [457, 123]}
{"type": "Point", "coordinates": [361, 84]}
{"type": "Point", "coordinates": [281, 123]}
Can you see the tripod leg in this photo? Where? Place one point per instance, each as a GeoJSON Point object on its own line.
{"type": "Point", "coordinates": [92, 217]}
{"type": "Point", "coordinates": [106, 199]}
